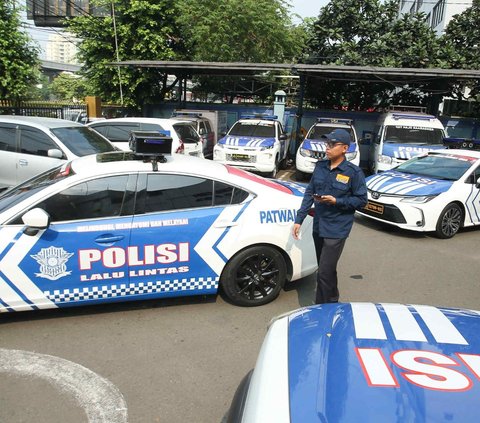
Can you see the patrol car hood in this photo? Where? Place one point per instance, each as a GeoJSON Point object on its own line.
{"type": "Point", "coordinates": [317, 145]}
{"type": "Point", "coordinates": [399, 183]}
{"type": "Point", "coordinates": [407, 151]}
{"type": "Point", "coordinates": [252, 142]}
{"type": "Point", "coordinates": [383, 363]}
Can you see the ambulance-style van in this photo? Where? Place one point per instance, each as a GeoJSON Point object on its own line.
{"type": "Point", "coordinates": [402, 133]}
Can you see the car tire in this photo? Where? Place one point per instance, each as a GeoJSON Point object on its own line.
{"type": "Point", "coordinates": [449, 221]}
{"type": "Point", "coordinates": [254, 276]}
{"type": "Point", "coordinates": [274, 172]}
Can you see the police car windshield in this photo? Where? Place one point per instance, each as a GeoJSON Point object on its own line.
{"type": "Point", "coordinates": [317, 131]}
{"type": "Point", "coordinates": [82, 140]}
{"type": "Point", "coordinates": [399, 134]}
{"type": "Point", "coordinates": [435, 166]}
{"type": "Point", "coordinates": [19, 193]}
{"type": "Point", "coordinates": [251, 129]}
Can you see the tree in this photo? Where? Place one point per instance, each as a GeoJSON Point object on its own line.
{"type": "Point", "coordinates": [69, 87]}
{"type": "Point", "coordinates": [146, 30]}
{"type": "Point", "coordinates": [368, 33]}
{"type": "Point", "coordinates": [19, 64]}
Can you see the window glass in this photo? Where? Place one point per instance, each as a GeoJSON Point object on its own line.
{"type": "Point", "coordinates": [82, 140]}
{"type": "Point", "coordinates": [186, 133]}
{"type": "Point", "coordinates": [36, 142]}
{"type": "Point", "coordinates": [317, 131]}
{"type": "Point", "coordinates": [173, 192]}
{"type": "Point", "coordinates": [250, 129]}
{"type": "Point", "coordinates": [227, 194]}
{"type": "Point", "coordinates": [7, 139]}
{"type": "Point", "coordinates": [89, 200]}
{"type": "Point", "coordinates": [102, 129]}
{"type": "Point", "coordinates": [412, 135]}
{"type": "Point", "coordinates": [154, 127]}
{"type": "Point", "coordinates": [208, 127]}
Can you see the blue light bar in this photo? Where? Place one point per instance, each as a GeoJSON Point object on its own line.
{"type": "Point", "coordinates": [187, 114]}
{"type": "Point", "coordinates": [415, 117]}
{"type": "Point", "coordinates": [262, 116]}
{"type": "Point", "coordinates": [334, 120]}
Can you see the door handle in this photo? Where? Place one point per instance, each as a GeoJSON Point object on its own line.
{"type": "Point", "coordinates": [23, 162]}
{"type": "Point", "coordinates": [225, 224]}
{"type": "Point", "coordinates": [108, 239]}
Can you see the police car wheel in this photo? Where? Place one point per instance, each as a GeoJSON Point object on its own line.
{"type": "Point", "coordinates": [254, 276]}
{"type": "Point", "coordinates": [449, 222]}
{"type": "Point", "coordinates": [274, 172]}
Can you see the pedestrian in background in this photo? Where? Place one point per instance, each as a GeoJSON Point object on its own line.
{"type": "Point", "coordinates": [337, 189]}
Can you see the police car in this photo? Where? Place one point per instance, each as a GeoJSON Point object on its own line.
{"type": "Point", "coordinates": [364, 362]}
{"type": "Point", "coordinates": [256, 142]}
{"type": "Point", "coordinates": [313, 148]}
{"type": "Point", "coordinates": [438, 192]}
{"type": "Point", "coordinates": [128, 226]}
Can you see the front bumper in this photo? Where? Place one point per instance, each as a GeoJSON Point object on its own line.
{"type": "Point", "coordinates": [248, 159]}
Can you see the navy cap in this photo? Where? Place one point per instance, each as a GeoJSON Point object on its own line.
{"type": "Point", "coordinates": [338, 135]}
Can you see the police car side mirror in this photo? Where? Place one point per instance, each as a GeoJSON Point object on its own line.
{"type": "Point", "coordinates": [477, 184]}
{"type": "Point", "coordinates": [282, 137]}
{"type": "Point", "coordinates": [35, 220]}
{"type": "Point", "coordinates": [55, 153]}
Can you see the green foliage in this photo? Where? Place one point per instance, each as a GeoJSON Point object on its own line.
{"type": "Point", "coordinates": [146, 30]}
{"type": "Point", "coordinates": [18, 57]}
{"type": "Point", "coordinates": [368, 33]}
{"type": "Point", "coordinates": [69, 87]}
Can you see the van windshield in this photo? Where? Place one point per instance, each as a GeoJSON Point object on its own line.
{"type": "Point", "coordinates": [399, 134]}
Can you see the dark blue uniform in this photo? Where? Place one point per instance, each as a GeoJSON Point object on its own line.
{"type": "Point", "coordinates": [332, 223]}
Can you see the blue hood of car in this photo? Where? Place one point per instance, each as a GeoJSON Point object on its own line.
{"type": "Point", "coordinates": [392, 182]}
{"type": "Point", "coordinates": [383, 363]}
{"type": "Point", "coordinates": [317, 145]}
{"type": "Point", "coordinates": [407, 151]}
{"type": "Point", "coordinates": [247, 141]}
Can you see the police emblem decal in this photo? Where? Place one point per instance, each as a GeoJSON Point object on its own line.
{"type": "Point", "coordinates": [52, 261]}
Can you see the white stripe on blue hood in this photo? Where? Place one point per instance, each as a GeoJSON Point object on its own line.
{"type": "Point", "coordinates": [407, 151]}
{"type": "Point", "coordinates": [398, 183]}
{"type": "Point", "coordinates": [252, 142]}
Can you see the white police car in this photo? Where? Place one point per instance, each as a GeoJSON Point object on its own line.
{"type": "Point", "coordinates": [256, 142]}
{"type": "Point", "coordinates": [119, 227]}
{"type": "Point", "coordinates": [438, 191]}
{"type": "Point", "coordinates": [364, 362]}
{"type": "Point", "coordinates": [313, 148]}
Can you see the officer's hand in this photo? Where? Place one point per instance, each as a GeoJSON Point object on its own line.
{"type": "Point", "coordinates": [328, 199]}
{"type": "Point", "coordinates": [296, 230]}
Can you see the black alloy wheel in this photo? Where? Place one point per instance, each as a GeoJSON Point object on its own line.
{"type": "Point", "coordinates": [449, 222]}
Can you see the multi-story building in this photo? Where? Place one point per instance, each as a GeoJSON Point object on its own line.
{"type": "Point", "coordinates": [61, 48]}
{"type": "Point", "coordinates": [438, 12]}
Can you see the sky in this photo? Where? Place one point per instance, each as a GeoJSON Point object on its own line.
{"type": "Point", "coordinates": [303, 8]}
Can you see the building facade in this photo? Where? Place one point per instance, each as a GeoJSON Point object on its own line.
{"type": "Point", "coordinates": [61, 48]}
{"type": "Point", "coordinates": [438, 12]}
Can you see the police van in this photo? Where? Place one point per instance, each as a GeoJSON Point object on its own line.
{"type": "Point", "coordinates": [256, 143]}
{"type": "Point", "coordinates": [403, 133]}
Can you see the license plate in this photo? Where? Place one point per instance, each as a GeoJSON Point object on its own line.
{"type": "Point", "coordinates": [374, 207]}
{"type": "Point", "coordinates": [240, 156]}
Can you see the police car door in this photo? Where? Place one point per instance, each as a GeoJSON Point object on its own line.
{"type": "Point", "coordinates": [178, 224]}
{"type": "Point", "coordinates": [82, 256]}
{"type": "Point", "coordinates": [472, 203]}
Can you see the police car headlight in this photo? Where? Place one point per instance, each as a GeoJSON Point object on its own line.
{"type": "Point", "coordinates": [421, 199]}
{"type": "Point", "coordinates": [384, 159]}
{"type": "Point", "coordinates": [305, 153]}
{"type": "Point", "coordinates": [351, 156]}
{"type": "Point", "coordinates": [266, 148]}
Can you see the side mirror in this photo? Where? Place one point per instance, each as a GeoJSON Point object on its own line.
{"type": "Point", "coordinates": [35, 220]}
{"type": "Point", "coordinates": [282, 137]}
{"type": "Point", "coordinates": [202, 131]}
{"type": "Point", "coordinates": [477, 184]}
{"type": "Point", "coordinates": [55, 153]}
{"type": "Point", "coordinates": [222, 134]}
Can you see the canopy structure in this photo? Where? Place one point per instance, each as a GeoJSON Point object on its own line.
{"type": "Point", "coordinates": [395, 76]}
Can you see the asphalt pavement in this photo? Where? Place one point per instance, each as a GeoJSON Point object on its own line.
{"type": "Point", "coordinates": [180, 360]}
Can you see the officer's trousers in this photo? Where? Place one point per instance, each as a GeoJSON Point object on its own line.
{"type": "Point", "coordinates": [328, 252]}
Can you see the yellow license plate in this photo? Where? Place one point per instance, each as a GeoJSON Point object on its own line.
{"type": "Point", "coordinates": [374, 207]}
{"type": "Point", "coordinates": [240, 156]}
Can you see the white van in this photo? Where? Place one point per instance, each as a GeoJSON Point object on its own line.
{"type": "Point", "coordinates": [402, 133]}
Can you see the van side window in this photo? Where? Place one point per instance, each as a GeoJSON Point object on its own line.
{"type": "Point", "coordinates": [7, 139]}
{"type": "Point", "coordinates": [34, 141]}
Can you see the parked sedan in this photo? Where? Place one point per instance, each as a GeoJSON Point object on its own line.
{"type": "Point", "coordinates": [185, 138]}
{"type": "Point", "coordinates": [437, 192]}
{"type": "Point", "coordinates": [121, 227]}
{"type": "Point", "coordinates": [364, 362]}
{"type": "Point", "coordinates": [30, 145]}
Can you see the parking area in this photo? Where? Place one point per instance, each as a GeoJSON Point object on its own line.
{"type": "Point", "coordinates": [181, 360]}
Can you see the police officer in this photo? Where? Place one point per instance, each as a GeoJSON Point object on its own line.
{"type": "Point", "coordinates": [337, 189]}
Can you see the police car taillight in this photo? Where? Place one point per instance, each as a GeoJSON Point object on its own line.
{"type": "Point", "coordinates": [65, 170]}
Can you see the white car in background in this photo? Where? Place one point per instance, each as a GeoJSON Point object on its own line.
{"type": "Point", "coordinates": [185, 138]}
{"type": "Point", "coordinates": [312, 149]}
